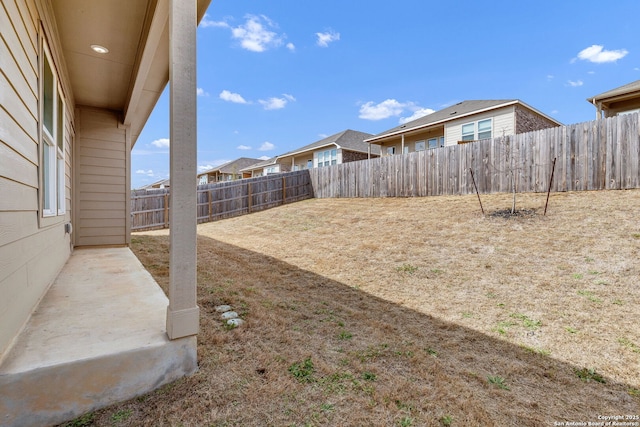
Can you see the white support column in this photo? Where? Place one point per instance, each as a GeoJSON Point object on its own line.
{"type": "Point", "coordinates": [182, 312]}
{"type": "Point", "coordinates": [402, 145]}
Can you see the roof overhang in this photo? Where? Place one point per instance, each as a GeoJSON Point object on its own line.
{"type": "Point", "coordinates": [132, 75]}
{"type": "Point", "coordinates": [296, 153]}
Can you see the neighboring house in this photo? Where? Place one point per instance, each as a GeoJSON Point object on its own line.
{"type": "Point", "coordinates": [342, 147]}
{"type": "Point", "coordinates": [163, 183]}
{"type": "Point", "coordinates": [621, 100]}
{"type": "Point", "coordinates": [227, 172]}
{"type": "Point", "coordinates": [78, 81]}
{"type": "Point", "coordinates": [463, 122]}
{"type": "Point", "coordinates": [263, 168]}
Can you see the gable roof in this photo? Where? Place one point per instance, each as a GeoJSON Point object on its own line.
{"type": "Point", "coordinates": [261, 164]}
{"type": "Point", "coordinates": [459, 110]}
{"type": "Point", "coordinates": [232, 167]}
{"type": "Point", "coordinates": [627, 89]}
{"type": "Point", "coordinates": [350, 139]}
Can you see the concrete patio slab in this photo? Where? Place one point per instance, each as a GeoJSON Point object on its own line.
{"type": "Point", "coordinates": [98, 337]}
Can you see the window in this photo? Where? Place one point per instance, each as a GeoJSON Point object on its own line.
{"type": "Point", "coordinates": [328, 157]}
{"type": "Point", "coordinates": [391, 150]}
{"type": "Point", "coordinates": [309, 164]}
{"type": "Point", "coordinates": [442, 141]}
{"type": "Point", "coordinates": [53, 160]}
{"type": "Point", "coordinates": [468, 132]}
{"type": "Point", "coordinates": [433, 143]}
{"type": "Point", "coordinates": [484, 129]}
{"type": "Point", "coordinates": [405, 149]}
{"type": "Point", "coordinates": [420, 145]}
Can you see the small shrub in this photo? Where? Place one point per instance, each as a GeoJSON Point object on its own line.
{"type": "Point", "coordinates": [570, 330]}
{"type": "Point", "coordinates": [406, 422]}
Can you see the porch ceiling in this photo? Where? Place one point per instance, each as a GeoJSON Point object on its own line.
{"type": "Point", "coordinates": [132, 75]}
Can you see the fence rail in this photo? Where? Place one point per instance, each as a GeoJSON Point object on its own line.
{"type": "Point", "coordinates": [150, 209]}
{"type": "Point", "coordinates": [598, 155]}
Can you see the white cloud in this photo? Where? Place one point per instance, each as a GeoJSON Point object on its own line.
{"type": "Point", "coordinates": [325, 38]}
{"type": "Point", "coordinates": [206, 22]}
{"type": "Point", "coordinates": [264, 158]}
{"type": "Point", "coordinates": [232, 97]}
{"type": "Point", "coordinates": [392, 108]}
{"type": "Point", "coordinates": [596, 53]}
{"type": "Point", "coordinates": [383, 110]}
{"type": "Point", "coordinates": [202, 168]}
{"type": "Point", "coordinates": [266, 146]}
{"type": "Point", "coordinates": [255, 35]}
{"type": "Point", "coordinates": [144, 172]}
{"type": "Point", "coordinates": [420, 112]}
{"type": "Point", "coordinates": [276, 103]}
{"type": "Point", "coordinates": [161, 143]}
{"type": "Point", "coordinates": [243, 147]}
{"type": "Point", "coordinates": [550, 76]}
{"type": "Point", "coordinates": [576, 83]}
{"type": "Point", "coordinates": [291, 47]}
{"type": "Point", "coordinates": [201, 92]}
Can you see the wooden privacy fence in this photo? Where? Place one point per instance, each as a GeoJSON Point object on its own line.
{"type": "Point", "coordinates": [150, 208]}
{"type": "Point", "coordinates": [598, 155]}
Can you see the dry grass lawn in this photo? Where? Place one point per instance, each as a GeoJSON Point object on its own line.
{"type": "Point", "coordinates": [411, 312]}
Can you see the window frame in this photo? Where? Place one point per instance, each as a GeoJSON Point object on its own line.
{"type": "Point", "coordinates": [475, 136]}
{"type": "Point", "coordinates": [52, 131]}
{"type": "Point", "coordinates": [421, 145]}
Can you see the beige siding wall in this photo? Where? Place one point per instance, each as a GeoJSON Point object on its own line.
{"type": "Point", "coordinates": [503, 121]}
{"type": "Point", "coordinates": [102, 153]}
{"type": "Point", "coordinates": [410, 140]}
{"type": "Point", "coordinates": [32, 251]}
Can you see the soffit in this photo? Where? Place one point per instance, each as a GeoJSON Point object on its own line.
{"type": "Point", "coordinates": [101, 80]}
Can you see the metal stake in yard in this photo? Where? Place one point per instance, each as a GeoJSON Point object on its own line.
{"type": "Point", "coordinates": [476, 187]}
{"type": "Point", "coordinates": [553, 169]}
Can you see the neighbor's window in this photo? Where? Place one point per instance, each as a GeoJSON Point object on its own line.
{"type": "Point", "coordinates": [484, 129]}
{"type": "Point", "coordinates": [53, 163]}
{"type": "Point", "coordinates": [420, 145]}
{"type": "Point", "coordinates": [405, 149]}
{"type": "Point", "coordinates": [328, 157]}
{"type": "Point", "coordinates": [433, 143]}
{"type": "Point", "coordinates": [468, 132]}
{"type": "Point", "coordinates": [442, 141]}
{"type": "Point", "coordinates": [309, 164]}
{"type": "Point", "coordinates": [391, 150]}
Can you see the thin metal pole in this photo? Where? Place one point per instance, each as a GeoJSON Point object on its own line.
{"type": "Point", "coordinates": [553, 169]}
{"type": "Point", "coordinates": [477, 193]}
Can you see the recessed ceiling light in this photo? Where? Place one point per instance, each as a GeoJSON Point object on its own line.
{"type": "Point", "coordinates": [99, 49]}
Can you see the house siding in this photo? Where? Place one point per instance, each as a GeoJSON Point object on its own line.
{"type": "Point", "coordinates": [32, 251]}
{"type": "Point", "coordinates": [503, 123]}
{"type": "Point", "coordinates": [527, 121]}
{"type": "Point", "coordinates": [102, 159]}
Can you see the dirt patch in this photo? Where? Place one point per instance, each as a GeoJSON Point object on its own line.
{"type": "Point", "coordinates": [517, 213]}
{"type": "Point", "coordinates": [423, 312]}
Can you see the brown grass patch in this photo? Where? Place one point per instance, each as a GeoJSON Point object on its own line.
{"type": "Point", "coordinates": [392, 312]}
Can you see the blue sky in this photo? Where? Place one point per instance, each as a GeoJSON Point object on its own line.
{"type": "Point", "coordinates": [277, 75]}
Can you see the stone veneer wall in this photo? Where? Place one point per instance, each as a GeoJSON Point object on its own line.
{"type": "Point", "coordinates": [353, 156]}
{"type": "Point", "coordinates": [527, 121]}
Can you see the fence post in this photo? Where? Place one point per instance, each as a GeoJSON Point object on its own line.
{"type": "Point", "coordinates": [166, 210]}
{"type": "Point", "coordinates": [249, 201]}
{"type": "Point", "coordinates": [284, 190]}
